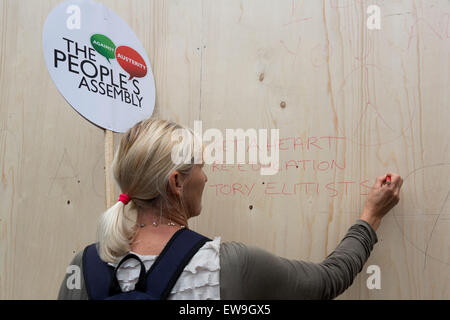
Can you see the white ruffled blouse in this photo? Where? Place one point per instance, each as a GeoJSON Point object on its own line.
{"type": "Point", "coordinates": [198, 281]}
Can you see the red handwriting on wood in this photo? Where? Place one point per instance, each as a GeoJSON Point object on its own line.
{"type": "Point", "coordinates": [286, 144]}
{"type": "Point", "coordinates": [233, 189]}
{"type": "Point", "coordinates": [301, 164]}
{"type": "Point", "coordinates": [310, 188]}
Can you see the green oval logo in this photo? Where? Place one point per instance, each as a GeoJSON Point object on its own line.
{"type": "Point", "coordinates": [104, 45]}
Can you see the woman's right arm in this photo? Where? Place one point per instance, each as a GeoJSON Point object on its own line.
{"type": "Point", "coordinates": [251, 273]}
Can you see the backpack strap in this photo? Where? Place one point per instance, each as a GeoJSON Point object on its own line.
{"type": "Point", "coordinates": [160, 279]}
{"type": "Point", "coordinates": [169, 265]}
{"type": "Point", "coordinates": [97, 274]}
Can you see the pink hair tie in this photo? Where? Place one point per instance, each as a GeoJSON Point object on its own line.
{"type": "Point", "coordinates": [124, 198]}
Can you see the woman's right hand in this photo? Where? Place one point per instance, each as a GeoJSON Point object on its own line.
{"type": "Point", "coordinates": [381, 199]}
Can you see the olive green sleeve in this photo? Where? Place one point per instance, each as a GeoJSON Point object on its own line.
{"type": "Point", "coordinates": [249, 272]}
{"type": "Point", "coordinates": [72, 287]}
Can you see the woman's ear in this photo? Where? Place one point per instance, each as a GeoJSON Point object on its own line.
{"type": "Point", "coordinates": [175, 183]}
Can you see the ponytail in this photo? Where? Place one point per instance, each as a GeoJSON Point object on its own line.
{"type": "Point", "coordinates": [115, 233]}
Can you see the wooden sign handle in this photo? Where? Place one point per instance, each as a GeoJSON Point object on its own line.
{"type": "Point", "coordinates": [109, 180]}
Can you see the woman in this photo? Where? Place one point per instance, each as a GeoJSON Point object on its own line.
{"type": "Point", "coordinates": [163, 196]}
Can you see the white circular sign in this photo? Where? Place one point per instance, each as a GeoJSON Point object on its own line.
{"type": "Point", "coordinates": [98, 64]}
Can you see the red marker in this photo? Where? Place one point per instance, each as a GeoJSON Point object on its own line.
{"type": "Point", "coordinates": [388, 179]}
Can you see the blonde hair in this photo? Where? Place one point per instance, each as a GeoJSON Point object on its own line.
{"type": "Point", "coordinates": [142, 165]}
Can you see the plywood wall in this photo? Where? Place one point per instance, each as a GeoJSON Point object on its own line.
{"type": "Point", "coordinates": [350, 104]}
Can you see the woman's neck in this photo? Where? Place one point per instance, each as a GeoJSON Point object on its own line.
{"type": "Point", "coordinates": [157, 216]}
{"type": "Point", "coordinates": [150, 240]}
{"type": "Point", "coordinates": [154, 230]}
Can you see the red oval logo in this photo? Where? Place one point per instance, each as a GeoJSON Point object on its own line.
{"type": "Point", "coordinates": [131, 61]}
